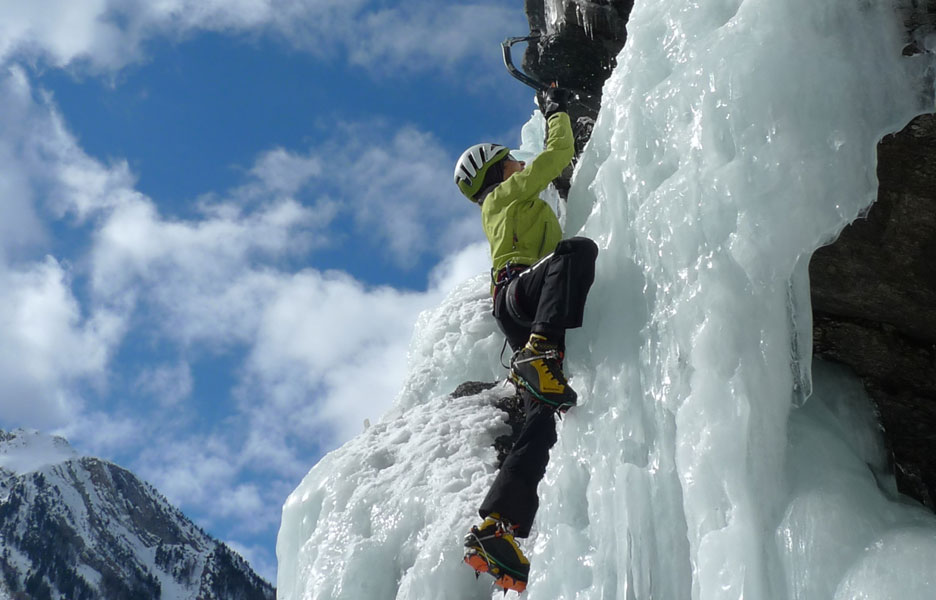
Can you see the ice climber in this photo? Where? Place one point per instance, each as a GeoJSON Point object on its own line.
{"type": "Point", "coordinates": [540, 283]}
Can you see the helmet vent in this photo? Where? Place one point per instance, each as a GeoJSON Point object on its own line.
{"type": "Point", "coordinates": [467, 174]}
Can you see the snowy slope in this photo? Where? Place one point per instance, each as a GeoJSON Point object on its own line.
{"type": "Point", "coordinates": [22, 452]}
{"type": "Point", "coordinates": [80, 528]}
{"type": "Point", "coordinates": [735, 137]}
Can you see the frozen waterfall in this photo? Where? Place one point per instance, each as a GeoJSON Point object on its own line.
{"type": "Point", "coordinates": [735, 137]}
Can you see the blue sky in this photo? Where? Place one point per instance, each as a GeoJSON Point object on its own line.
{"type": "Point", "coordinates": [219, 220]}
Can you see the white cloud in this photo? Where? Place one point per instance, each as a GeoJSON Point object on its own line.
{"type": "Point", "coordinates": [109, 34]}
{"type": "Point", "coordinates": [48, 346]}
{"type": "Point", "coordinates": [20, 224]}
{"type": "Point", "coordinates": [398, 188]}
{"type": "Point", "coordinates": [61, 30]}
{"type": "Point", "coordinates": [463, 265]}
{"type": "Point", "coordinates": [244, 499]}
{"type": "Point", "coordinates": [284, 172]}
{"type": "Point", "coordinates": [318, 351]}
{"type": "Point", "coordinates": [202, 277]}
{"type": "Point", "coordinates": [44, 169]}
{"type": "Point", "coordinates": [331, 352]}
{"type": "Point", "coordinates": [328, 352]}
{"type": "Point", "coordinates": [103, 433]}
{"type": "Point", "coordinates": [167, 384]}
{"type": "Point", "coordinates": [448, 34]}
{"type": "Point", "coordinates": [215, 279]}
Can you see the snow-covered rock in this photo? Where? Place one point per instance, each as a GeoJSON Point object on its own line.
{"type": "Point", "coordinates": [76, 527]}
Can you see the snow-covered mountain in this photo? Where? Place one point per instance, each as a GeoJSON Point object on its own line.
{"type": "Point", "coordinates": [81, 528]}
{"type": "Point", "coordinates": [709, 457]}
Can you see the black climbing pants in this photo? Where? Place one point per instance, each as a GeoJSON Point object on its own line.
{"type": "Point", "coordinates": [550, 298]}
{"type": "Point", "coordinates": [513, 494]}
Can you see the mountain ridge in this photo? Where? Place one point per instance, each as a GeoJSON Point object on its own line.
{"type": "Point", "coordinates": [81, 527]}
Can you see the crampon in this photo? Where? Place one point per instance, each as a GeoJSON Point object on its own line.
{"type": "Point", "coordinates": [481, 563]}
{"type": "Point", "coordinates": [491, 548]}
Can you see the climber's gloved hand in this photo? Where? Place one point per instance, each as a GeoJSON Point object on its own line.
{"type": "Point", "coordinates": [552, 100]}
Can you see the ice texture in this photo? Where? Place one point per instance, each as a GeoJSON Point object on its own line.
{"type": "Point", "coordinates": [735, 137]}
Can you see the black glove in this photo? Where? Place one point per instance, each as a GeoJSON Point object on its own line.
{"type": "Point", "coordinates": [553, 100]}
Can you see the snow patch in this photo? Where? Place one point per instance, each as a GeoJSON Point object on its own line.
{"type": "Point", "coordinates": [24, 451]}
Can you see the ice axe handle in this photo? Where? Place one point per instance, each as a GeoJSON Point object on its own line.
{"type": "Point", "coordinates": [536, 84]}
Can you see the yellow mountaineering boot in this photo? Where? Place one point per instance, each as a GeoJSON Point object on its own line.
{"type": "Point", "coordinates": [491, 548]}
{"type": "Point", "coordinates": [538, 368]}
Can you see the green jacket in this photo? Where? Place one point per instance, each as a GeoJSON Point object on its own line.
{"type": "Point", "coordinates": [520, 227]}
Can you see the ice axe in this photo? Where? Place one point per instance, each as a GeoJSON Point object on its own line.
{"type": "Point", "coordinates": [562, 183]}
{"type": "Point", "coordinates": [534, 83]}
{"type": "Point", "coordinates": [531, 81]}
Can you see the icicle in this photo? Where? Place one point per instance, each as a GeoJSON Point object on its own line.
{"type": "Point", "coordinates": [800, 310]}
{"type": "Point", "coordinates": [555, 15]}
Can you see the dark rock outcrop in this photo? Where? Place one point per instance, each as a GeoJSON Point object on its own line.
{"type": "Point", "coordinates": [471, 388]}
{"type": "Point", "coordinates": [874, 302]}
{"type": "Point", "coordinates": [511, 405]}
{"type": "Point", "coordinates": [577, 50]}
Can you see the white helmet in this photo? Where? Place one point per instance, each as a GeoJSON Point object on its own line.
{"type": "Point", "coordinates": [473, 166]}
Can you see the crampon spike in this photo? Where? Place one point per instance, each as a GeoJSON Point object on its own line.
{"type": "Point", "coordinates": [501, 580]}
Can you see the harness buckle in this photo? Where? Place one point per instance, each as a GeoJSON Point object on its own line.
{"type": "Point", "coordinates": [507, 274]}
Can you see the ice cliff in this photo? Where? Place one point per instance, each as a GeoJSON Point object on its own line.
{"type": "Point", "coordinates": [710, 457]}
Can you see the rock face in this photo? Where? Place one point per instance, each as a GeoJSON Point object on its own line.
{"type": "Point", "coordinates": [577, 48]}
{"type": "Point", "coordinates": [83, 528]}
{"type": "Point", "coordinates": [578, 44]}
{"type": "Point", "coordinates": [512, 406]}
{"type": "Point", "coordinates": [874, 302]}
{"type": "Point", "coordinates": [873, 289]}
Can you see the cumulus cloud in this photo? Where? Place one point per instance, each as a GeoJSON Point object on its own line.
{"type": "Point", "coordinates": [331, 352]}
{"type": "Point", "coordinates": [327, 352]}
{"type": "Point", "coordinates": [402, 190]}
{"type": "Point", "coordinates": [100, 433]}
{"type": "Point", "coordinates": [203, 278]}
{"type": "Point", "coordinates": [109, 34]}
{"type": "Point", "coordinates": [51, 346]}
{"type": "Point", "coordinates": [448, 34]}
{"type": "Point", "coordinates": [167, 384]}
{"type": "Point", "coordinates": [60, 30]}
{"type": "Point", "coordinates": [314, 351]}
{"type": "Point", "coordinates": [20, 223]}
{"type": "Point", "coordinates": [44, 169]}
{"type": "Point", "coordinates": [190, 470]}
{"type": "Point", "coordinates": [395, 185]}
{"type": "Point", "coordinates": [284, 172]}
{"type": "Point", "coordinates": [47, 345]}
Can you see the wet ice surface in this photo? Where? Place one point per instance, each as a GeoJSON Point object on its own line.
{"type": "Point", "coordinates": [734, 138]}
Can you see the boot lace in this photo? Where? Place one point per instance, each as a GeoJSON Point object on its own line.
{"type": "Point", "coordinates": [501, 528]}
